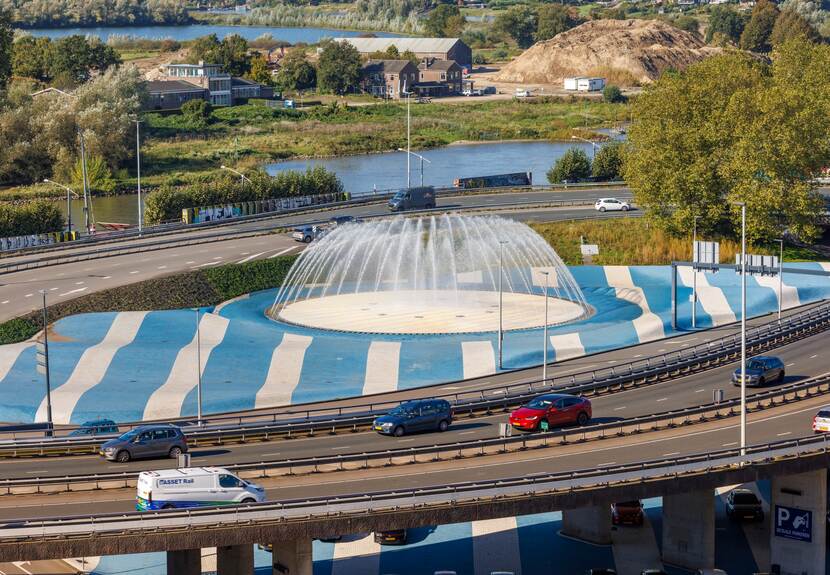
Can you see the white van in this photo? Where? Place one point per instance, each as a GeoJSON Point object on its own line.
{"type": "Point", "coordinates": [193, 487]}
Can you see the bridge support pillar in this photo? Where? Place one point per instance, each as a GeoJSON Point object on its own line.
{"type": "Point", "coordinates": [689, 529]}
{"type": "Point", "coordinates": [291, 557]}
{"type": "Point", "coordinates": [235, 560]}
{"type": "Point", "coordinates": [592, 524]}
{"type": "Point", "coordinates": [184, 562]}
{"type": "Point", "coordinates": [797, 536]}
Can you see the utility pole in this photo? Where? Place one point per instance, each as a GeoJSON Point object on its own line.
{"type": "Point", "coordinates": [198, 369]}
{"type": "Point", "coordinates": [545, 333]}
{"type": "Point", "coordinates": [694, 275]}
{"type": "Point", "coordinates": [86, 183]}
{"type": "Point", "coordinates": [501, 301]}
{"type": "Point", "coordinates": [743, 327]}
{"type": "Point", "coordinates": [408, 140]}
{"type": "Point", "coordinates": [138, 173]}
{"type": "Point", "coordinates": [43, 365]}
{"type": "Point", "coordinates": [780, 276]}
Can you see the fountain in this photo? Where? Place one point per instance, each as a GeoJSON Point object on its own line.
{"type": "Point", "coordinates": [432, 274]}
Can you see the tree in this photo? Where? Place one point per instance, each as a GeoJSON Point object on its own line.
{"type": "Point", "coordinates": [732, 128]}
{"type": "Point", "coordinates": [725, 22]}
{"type": "Point", "coordinates": [553, 19]}
{"type": "Point", "coordinates": [204, 49]}
{"type": "Point", "coordinates": [296, 73]}
{"type": "Point", "coordinates": [30, 58]}
{"type": "Point", "coordinates": [445, 20]}
{"type": "Point", "coordinates": [573, 166]}
{"type": "Point", "coordinates": [98, 176]}
{"type": "Point", "coordinates": [687, 23]}
{"type": "Point", "coordinates": [6, 38]}
{"type": "Point", "coordinates": [233, 56]}
{"type": "Point", "coordinates": [519, 23]}
{"type": "Point", "coordinates": [756, 34]}
{"type": "Point", "coordinates": [197, 113]}
{"type": "Point", "coordinates": [259, 71]}
{"type": "Point", "coordinates": [612, 94]}
{"type": "Point", "coordinates": [73, 59]}
{"type": "Point", "coordinates": [338, 67]}
{"type": "Point", "coordinates": [790, 24]}
{"type": "Point", "coordinates": [607, 164]}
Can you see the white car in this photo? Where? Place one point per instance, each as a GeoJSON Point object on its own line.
{"type": "Point", "coordinates": [611, 204]}
{"type": "Point", "coordinates": [522, 93]}
{"type": "Point", "coordinates": [821, 421]}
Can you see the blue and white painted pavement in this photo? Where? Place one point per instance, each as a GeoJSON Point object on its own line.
{"type": "Point", "coordinates": [528, 545]}
{"type": "Point", "coordinates": [134, 365]}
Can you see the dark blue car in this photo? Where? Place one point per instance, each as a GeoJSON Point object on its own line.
{"type": "Point", "coordinates": [416, 415]}
{"type": "Point", "coordinates": [760, 370]}
{"type": "Point", "coordinates": [97, 427]}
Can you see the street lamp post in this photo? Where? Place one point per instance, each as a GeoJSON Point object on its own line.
{"type": "Point", "coordinates": [743, 326]}
{"type": "Point", "coordinates": [198, 369]}
{"type": "Point", "coordinates": [138, 172]}
{"type": "Point", "coordinates": [694, 276]}
{"type": "Point", "coordinates": [46, 366]}
{"type": "Point", "coordinates": [545, 332]}
{"type": "Point", "coordinates": [593, 146]}
{"type": "Point", "coordinates": [780, 275]}
{"type": "Point", "coordinates": [408, 139]}
{"type": "Point", "coordinates": [242, 177]}
{"type": "Point", "coordinates": [423, 159]}
{"type": "Point", "coordinates": [501, 302]}
{"type": "Point", "coordinates": [69, 194]}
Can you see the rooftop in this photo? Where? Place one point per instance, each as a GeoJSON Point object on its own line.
{"type": "Point", "coordinates": [170, 86]}
{"type": "Point", "coordinates": [435, 64]}
{"type": "Point", "coordinates": [393, 66]}
{"type": "Point", "coordinates": [402, 44]}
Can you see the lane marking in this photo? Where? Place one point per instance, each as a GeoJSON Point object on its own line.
{"type": "Point", "coordinates": [249, 258]}
{"type": "Point", "coordinates": [134, 272]}
{"type": "Point", "coordinates": [670, 454]}
{"type": "Point", "coordinates": [619, 408]}
{"type": "Point", "coordinates": [662, 399]}
{"type": "Point", "coordinates": [6, 301]}
{"type": "Point", "coordinates": [285, 251]}
{"type": "Point", "coordinates": [699, 390]}
{"type": "Point", "coordinates": [29, 295]}
{"type": "Point", "coordinates": [784, 433]}
{"type": "Point", "coordinates": [70, 292]}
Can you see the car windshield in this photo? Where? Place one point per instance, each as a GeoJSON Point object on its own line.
{"type": "Point", "coordinates": [129, 435]}
{"type": "Point", "coordinates": [402, 409]}
{"type": "Point", "coordinates": [745, 498]}
{"type": "Point", "coordinates": [539, 403]}
{"type": "Point", "coordinates": [399, 195]}
{"type": "Point", "coordinates": [755, 364]}
{"type": "Point", "coordinates": [628, 504]}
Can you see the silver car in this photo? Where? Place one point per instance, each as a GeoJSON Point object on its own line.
{"type": "Point", "coordinates": [163, 440]}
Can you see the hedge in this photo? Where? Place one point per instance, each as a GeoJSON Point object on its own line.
{"type": "Point", "coordinates": [29, 218]}
{"type": "Point", "coordinates": [198, 288]}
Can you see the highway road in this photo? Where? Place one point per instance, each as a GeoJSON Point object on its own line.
{"type": "Point", "coordinates": [19, 290]}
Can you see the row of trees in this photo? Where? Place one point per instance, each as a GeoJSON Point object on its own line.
{"type": "Point", "coordinates": [167, 202]}
{"type": "Point", "coordinates": [768, 26]}
{"type": "Point", "coordinates": [30, 218]}
{"type": "Point", "coordinates": [575, 165]}
{"type": "Point", "coordinates": [337, 70]}
{"type": "Point", "coordinates": [64, 62]}
{"type": "Point", "coordinates": [55, 13]}
{"type": "Point", "coordinates": [528, 24]}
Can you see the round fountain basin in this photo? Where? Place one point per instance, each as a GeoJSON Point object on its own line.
{"type": "Point", "coordinates": [428, 312]}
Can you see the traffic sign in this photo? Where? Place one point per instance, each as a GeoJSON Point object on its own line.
{"type": "Point", "coordinates": [758, 264]}
{"type": "Point", "coordinates": [589, 249]}
{"type": "Point", "coordinates": [706, 253]}
{"type": "Point", "coordinates": [793, 523]}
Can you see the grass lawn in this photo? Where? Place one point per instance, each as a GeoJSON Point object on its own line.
{"type": "Point", "coordinates": [632, 241]}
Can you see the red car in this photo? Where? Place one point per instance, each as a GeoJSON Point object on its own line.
{"type": "Point", "coordinates": [627, 512]}
{"type": "Point", "coordinates": [557, 409]}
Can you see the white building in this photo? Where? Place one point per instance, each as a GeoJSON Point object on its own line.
{"type": "Point", "coordinates": [590, 84]}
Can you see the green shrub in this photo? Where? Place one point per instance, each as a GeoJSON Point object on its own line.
{"type": "Point", "coordinates": [37, 217]}
{"type": "Point", "coordinates": [612, 94]}
{"type": "Point", "coordinates": [608, 162]}
{"type": "Point", "coordinates": [573, 166]}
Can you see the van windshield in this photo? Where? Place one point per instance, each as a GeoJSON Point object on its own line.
{"type": "Point", "coordinates": [402, 410]}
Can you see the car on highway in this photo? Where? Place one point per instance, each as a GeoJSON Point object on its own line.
{"type": "Point", "coordinates": [744, 504]}
{"type": "Point", "coordinates": [419, 198]}
{"type": "Point", "coordinates": [193, 487]}
{"type": "Point", "coordinates": [821, 420]}
{"type": "Point", "coordinates": [415, 415]}
{"type": "Point", "coordinates": [627, 513]}
{"type": "Point", "coordinates": [307, 234]}
{"type": "Point", "coordinates": [551, 410]}
{"type": "Point", "coordinates": [159, 440]}
{"type": "Point", "coordinates": [611, 205]}
{"type": "Point", "coordinates": [340, 220]}
{"type": "Point", "coordinates": [760, 370]}
{"type": "Point", "coordinates": [393, 537]}
{"type": "Point", "coordinates": [96, 427]}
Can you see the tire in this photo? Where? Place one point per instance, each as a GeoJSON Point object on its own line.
{"type": "Point", "coordinates": [431, 207]}
{"type": "Point", "coordinates": [248, 501]}
{"type": "Point", "coordinates": [399, 431]}
{"type": "Point", "coordinates": [443, 425]}
{"type": "Point", "coordinates": [602, 208]}
{"type": "Point", "coordinates": [123, 456]}
{"type": "Point", "coordinates": [307, 240]}
{"type": "Point", "coordinates": [781, 376]}
{"type": "Point", "coordinates": [582, 419]}
{"type": "Point", "coordinates": [762, 382]}
{"type": "Point", "coordinates": [168, 506]}
{"type": "Point", "coordinates": [174, 452]}
{"type": "Point", "coordinates": [625, 208]}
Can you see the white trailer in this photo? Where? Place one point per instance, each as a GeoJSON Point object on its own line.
{"type": "Point", "coordinates": [572, 84]}
{"type": "Point", "coordinates": [590, 84]}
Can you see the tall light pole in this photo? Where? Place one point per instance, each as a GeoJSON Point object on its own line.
{"type": "Point", "coordinates": [198, 369]}
{"type": "Point", "coordinates": [242, 177]}
{"type": "Point", "coordinates": [545, 333]}
{"type": "Point", "coordinates": [593, 145]}
{"type": "Point", "coordinates": [694, 276]}
{"type": "Point", "coordinates": [780, 275]}
{"type": "Point", "coordinates": [408, 138]}
{"type": "Point", "coordinates": [743, 326]}
{"type": "Point", "coordinates": [46, 366]}
{"type": "Point", "coordinates": [501, 301]}
{"type": "Point", "coordinates": [69, 194]}
{"type": "Point", "coordinates": [138, 172]}
{"type": "Point", "coordinates": [423, 159]}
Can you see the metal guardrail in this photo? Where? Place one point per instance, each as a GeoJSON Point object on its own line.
{"type": "Point", "coordinates": [457, 450]}
{"type": "Point", "coordinates": [593, 382]}
{"type": "Point", "coordinates": [422, 498]}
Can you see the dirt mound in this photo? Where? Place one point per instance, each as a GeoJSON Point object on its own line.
{"type": "Point", "coordinates": [625, 52]}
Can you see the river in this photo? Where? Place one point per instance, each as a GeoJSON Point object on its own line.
{"type": "Point", "coordinates": [189, 32]}
{"type": "Point", "coordinates": [361, 174]}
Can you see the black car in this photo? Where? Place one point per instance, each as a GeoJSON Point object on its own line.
{"type": "Point", "coordinates": [340, 220]}
{"type": "Point", "coordinates": [97, 427]}
{"type": "Point", "coordinates": [416, 415]}
{"type": "Point", "coordinates": [761, 370]}
{"type": "Point", "coordinates": [744, 504]}
{"type": "Point", "coordinates": [393, 537]}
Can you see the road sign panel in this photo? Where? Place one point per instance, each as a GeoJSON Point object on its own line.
{"type": "Point", "coordinates": [793, 523]}
{"type": "Point", "coordinates": [706, 253]}
{"type": "Point", "coordinates": [589, 249]}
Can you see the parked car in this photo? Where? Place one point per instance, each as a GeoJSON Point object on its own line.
{"type": "Point", "coordinates": [761, 370]}
{"type": "Point", "coordinates": [744, 504]}
{"type": "Point", "coordinates": [413, 198]}
{"type": "Point", "coordinates": [288, 103]}
{"type": "Point", "coordinates": [627, 512]}
{"type": "Point", "coordinates": [470, 92]}
{"type": "Point", "coordinates": [522, 93]}
{"type": "Point", "coordinates": [489, 90]}
{"type": "Point", "coordinates": [193, 487]}
{"type": "Point", "coordinates": [340, 220]}
{"type": "Point", "coordinates": [307, 234]}
{"type": "Point", "coordinates": [611, 205]}
{"type": "Point", "coordinates": [416, 415]}
{"type": "Point", "coordinates": [393, 537]}
{"type": "Point", "coordinates": [821, 420]}
{"type": "Point", "coordinates": [160, 440]}
{"type": "Point", "coordinates": [96, 427]}
{"type": "Point", "coordinates": [555, 409]}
